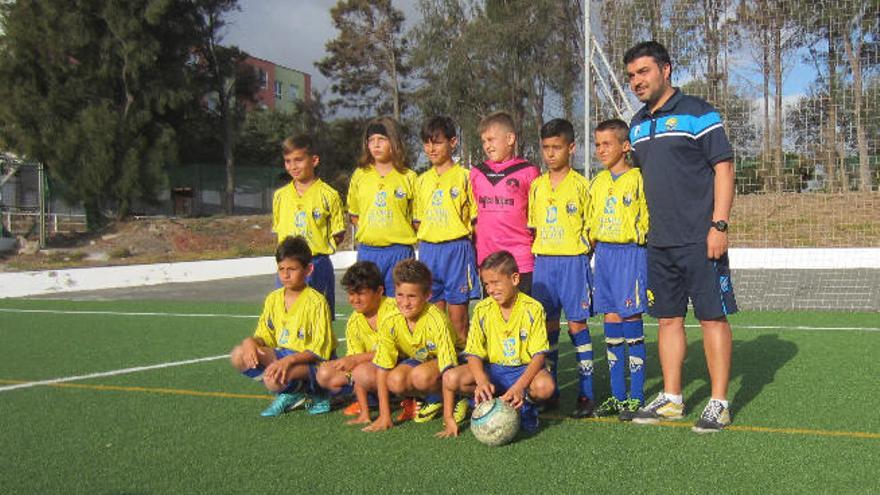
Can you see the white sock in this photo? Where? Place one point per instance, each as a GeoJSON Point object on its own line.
{"type": "Point", "coordinates": [674, 398]}
{"type": "Point", "coordinates": [722, 401]}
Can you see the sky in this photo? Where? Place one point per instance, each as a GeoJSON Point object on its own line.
{"type": "Point", "coordinates": [292, 32]}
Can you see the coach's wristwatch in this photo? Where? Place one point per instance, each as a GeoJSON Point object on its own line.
{"type": "Point", "coordinates": [720, 226]}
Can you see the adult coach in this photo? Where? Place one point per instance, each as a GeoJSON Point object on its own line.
{"type": "Point", "coordinates": [686, 160]}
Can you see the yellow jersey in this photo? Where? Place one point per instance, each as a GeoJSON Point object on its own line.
{"type": "Point", "coordinates": [432, 338]}
{"type": "Point", "coordinates": [512, 342]}
{"type": "Point", "coordinates": [559, 215]}
{"type": "Point", "coordinates": [383, 206]}
{"type": "Point", "coordinates": [316, 215]}
{"type": "Point", "coordinates": [618, 209]}
{"type": "Point", "coordinates": [443, 205]}
{"type": "Point", "coordinates": [360, 337]}
{"type": "Point", "coordinates": [304, 327]}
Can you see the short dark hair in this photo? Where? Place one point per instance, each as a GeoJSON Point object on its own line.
{"type": "Point", "coordinates": [558, 128]}
{"type": "Point", "coordinates": [503, 119]}
{"type": "Point", "coordinates": [362, 275]}
{"type": "Point", "coordinates": [412, 271]}
{"type": "Point", "coordinates": [651, 49]}
{"type": "Point", "coordinates": [295, 248]}
{"type": "Point", "coordinates": [621, 130]}
{"type": "Point", "coordinates": [502, 262]}
{"type": "Point", "coordinates": [436, 126]}
{"type": "Point", "coordinates": [299, 142]}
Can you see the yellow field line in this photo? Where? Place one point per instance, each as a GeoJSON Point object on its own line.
{"type": "Point", "coordinates": [670, 424]}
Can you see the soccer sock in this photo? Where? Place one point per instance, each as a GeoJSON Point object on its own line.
{"type": "Point", "coordinates": [616, 354]}
{"type": "Point", "coordinates": [583, 347]}
{"type": "Point", "coordinates": [634, 332]}
{"type": "Point", "coordinates": [677, 398]}
{"type": "Point", "coordinates": [553, 356]}
{"type": "Point", "coordinates": [433, 398]}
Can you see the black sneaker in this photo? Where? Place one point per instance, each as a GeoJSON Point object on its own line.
{"type": "Point", "coordinates": [628, 409]}
{"type": "Point", "coordinates": [714, 418]}
{"type": "Point", "coordinates": [585, 408]}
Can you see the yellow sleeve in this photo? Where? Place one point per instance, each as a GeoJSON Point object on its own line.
{"type": "Point", "coordinates": [472, 199]}
{"type": "Point", "coordinates": [265, 326]}
{"type": "Point", "coordinates": [417, 200]}
{"type": "Point", "coordinates": [531, 223]}
{"type": "Point", "coordinates": [351, 199]}
{"type": "Point", "coordinates": [592, 212]}
{"type": "Point", "coordinates": [353, 343]}
{"type": "Point", "coordinates": [586, 199]}
{"type": "Point", "coordinates": [320, 340]}
{"type": "Point", "coordinates": [476, 340]}
{"type": "Point", "coordinates": [386, 350]}
{"type": "Point", "coordinates": [276, 210]}
{"type": "Point", "coordinates": [447, 357]}
{"type": "Point", "coordinates": [538, 342]}
{"type": "Point", "coordinates": [643, 222]}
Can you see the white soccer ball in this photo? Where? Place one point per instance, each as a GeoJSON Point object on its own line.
{"type": "Point", "coordinates": [494, 422]}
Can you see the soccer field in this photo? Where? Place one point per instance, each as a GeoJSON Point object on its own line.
{"type": "Point", "coordinates": [137, 397]}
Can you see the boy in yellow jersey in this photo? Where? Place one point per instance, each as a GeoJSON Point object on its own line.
{"type": "Point", "coordinates": [293, 336]}
{"type": "Point", "coordinates": [442, 213]}
{"type": "Point", "coordinates": [416, 345]}
{"type": "Point", "coordinates": [558, 202]}
{"type": "Point", "coordinates": [363, 282]}
{"type": "Point", "coordinates": [618, 229]}
{"type": "Point", "coordinates": [380, 197]}
{"type": "Point", "coordinates": [505, 350]}
{"type": "Point", "coordinates": [310, 208]}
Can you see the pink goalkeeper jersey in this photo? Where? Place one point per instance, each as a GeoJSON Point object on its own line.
{"type": "Point", "coordinates": [501, 194]}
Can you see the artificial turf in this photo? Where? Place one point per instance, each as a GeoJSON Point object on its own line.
{"type": "Point", "coordinates": [802, 398]}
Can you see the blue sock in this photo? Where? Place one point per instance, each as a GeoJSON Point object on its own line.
{"type": "Point", "coordinates": [614, 345]}
{"type": "Point", "coordinates": [634, 332]}
{"type": "Point", "coordinates": [292, 386]}
{"type": "Point", "coordinates": [553, 357]}
{"type": "Point", "coordinates": [433, 398]}
{"type": "Point", "coordinates": [583, 347]}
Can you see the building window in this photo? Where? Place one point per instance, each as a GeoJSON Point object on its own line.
{"type": "Point", "coordinates": [293, 91]}
{"type": "Point", "coordinates": [277, 90]}
{"type": "Point", "coordinates": [263, 77]}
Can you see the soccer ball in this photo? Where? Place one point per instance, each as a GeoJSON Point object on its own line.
{"type": "Point", "coordinates": [494, 422]}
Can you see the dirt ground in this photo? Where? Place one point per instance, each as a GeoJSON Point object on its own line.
{"type": "Point", "coordinates": [777, 220]}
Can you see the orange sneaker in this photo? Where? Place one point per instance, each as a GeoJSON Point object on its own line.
{"type": "Point", "coordinates": [353, 409]}
{"type": "Point", "coordinates": [410, 410]}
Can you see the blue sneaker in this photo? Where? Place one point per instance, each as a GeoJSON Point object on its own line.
{"type": "Point", "coordinates": [284, 402]}
{"type": "Point", "coordinates": [318, 405]}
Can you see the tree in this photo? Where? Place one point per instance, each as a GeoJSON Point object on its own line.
{"type": "Point", "coordinates": [92, 89]}
{"type": "Point", "coordinates": [229, 84]}
{"type": "Point", "coordinates": [367, 60]}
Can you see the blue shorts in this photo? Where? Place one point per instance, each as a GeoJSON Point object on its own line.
{"type": "Point", "coordinates": [563, 283]}
{"type": "Point", "coordinates": [322, 279]}
{"type": "Point", "coordinates": [676, 274]}
{"type": "Point", "coordinates": [385, 258]}
{"type": "Point", "coordinates": [453, 266]}
{"type": "Point", "coordinates": [620, 279]}
{"type": "Point", "coordinates": [503, 377]}
{"type": "Point", "coordinates": [280, 353]}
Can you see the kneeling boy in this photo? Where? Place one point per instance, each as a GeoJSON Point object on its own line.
{"type": "Point", "coordinates": [507, 330]}
{"type": "Point", "coordinates": [292, 337]}
{"type": "Point", "coordinates": [416, 345]}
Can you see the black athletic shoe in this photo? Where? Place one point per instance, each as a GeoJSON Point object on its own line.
{"type": "Point", "coordinates": [585, 408]}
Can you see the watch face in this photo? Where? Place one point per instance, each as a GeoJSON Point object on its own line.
{"type": "Point", "coordinates": [720, 226]}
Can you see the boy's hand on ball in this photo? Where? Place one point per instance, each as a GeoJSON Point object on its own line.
{"type": "Point", "coordinates": [514, 396]}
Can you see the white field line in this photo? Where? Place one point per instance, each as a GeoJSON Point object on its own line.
{"type": "Point", "coordinates": [344, 318]}
{"type": "Point", "coordinates": [103, 374]}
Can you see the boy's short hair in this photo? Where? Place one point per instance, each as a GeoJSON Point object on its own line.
{"type": "Point", "coordinates": [620, 128]}
{"type": "Point", "coordinates": [558, 128]}
{"type": "Point", "coordinates": [436, 126]}
{"type": "Point", "coordinates": [362, 275]}
{"type": "Point", "coordinates": [651, 49]}
{"type": "Point", "coordinates": [502, 262]}
{"type": "Point", "coordinates": [503, 119]}
{"type": "Point", "coordinates": [412, 271]}
{"type": "Point", "coordinates": [299, 142]}
{"type": "Point", "coordinates": [295, 248]}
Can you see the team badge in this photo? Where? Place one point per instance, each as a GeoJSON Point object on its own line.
{"type": "Point", "coordinates": [671, 124]}
{"type": "Point", "coordinates": [571, 208]}
{"type": "Point", "coordinates": [381, 199]}
{"type": "Point", "coordinates": [399, 193]}
{"type": "Point", "coordinates": [627, 199]}
{"type": "Point", "coordinates": [316, 214]}
{"type": "Point", "coordinates": [635, 364]}
{"type": "Point", "coordinates": [512, 184]}
{"type": "Point", "coordinates": [454, 192]}
{"type": "Point", "coordinates": [421, 354]}
{"type": "Point", "coordinates": [431, 346]}
{"type": "Point", "coordinates": [628, 302]}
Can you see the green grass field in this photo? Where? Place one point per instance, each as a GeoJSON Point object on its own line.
{"type": "Point", "coordinates": [804, 398]}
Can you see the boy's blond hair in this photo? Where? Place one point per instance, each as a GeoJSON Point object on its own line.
{"type": "Point", "coordinates": [502, 119]}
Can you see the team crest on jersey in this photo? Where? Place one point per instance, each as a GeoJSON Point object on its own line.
{"type": "Point", "coordinates": [437, 198]}
{"type": "Point", "coordinates": [399, 193]}
{"type": "Point", "coordinates": [431, 346]}
{"type": "Point", "coordinates": [454, 192]}
{"type": "Point", "coordinates": [421, 354]}
{"type": "Point", "coordinates": [299, 220]}
{"type": "Point", "coordinates": [381, 199]}
{"type": "Point", "coordinates": [316, 214]}
{"type": "Point", "coordinates": [552, 214]}
{"type": "Point", "coordinates": [627, 199]}
{"type": "Point", "coordinates": [571, 208]}
{"type": "Point", "coordinates": [671, 124]}
{"type": "Point", "coordinates": [512, 184]}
